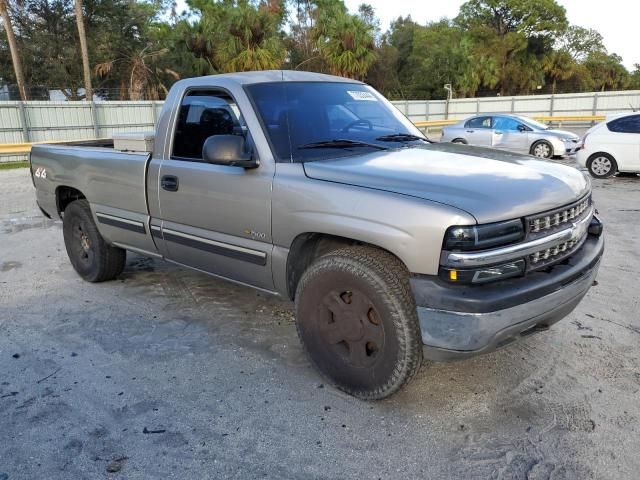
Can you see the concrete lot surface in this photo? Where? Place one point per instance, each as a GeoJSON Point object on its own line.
{"type": "Point", "coordinates": [168, 373]}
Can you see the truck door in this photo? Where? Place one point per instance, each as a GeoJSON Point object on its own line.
{"type": "Point", "coordinates": [215, 218]}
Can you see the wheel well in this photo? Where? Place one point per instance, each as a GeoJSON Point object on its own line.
{"type": "Point", "coordinates": [306, 248]}
{"type": "Point", "coordinates": [601, 154]}
{"type": "Point", "coordinates": [459, 140]}
{"type": "Point", "coordinates": [66, 195]}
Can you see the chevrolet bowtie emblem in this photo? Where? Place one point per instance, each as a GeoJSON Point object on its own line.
{"type": "Point", "coordinates": [578, 229]}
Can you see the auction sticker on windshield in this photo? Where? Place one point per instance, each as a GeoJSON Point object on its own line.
{"type": "Point", "coordinates": [363, 96]}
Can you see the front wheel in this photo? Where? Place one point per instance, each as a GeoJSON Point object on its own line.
{"type": "Point", "coordinates": [602, 165]}
{"type": "Point", "coordinates": [357, 320]}
{"type": "Point", "coordinates": [542, 149]}
{"type": "Point", "coordinates": [90, 255]}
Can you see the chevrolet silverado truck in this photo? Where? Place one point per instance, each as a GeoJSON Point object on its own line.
{"type": "Point", "coordinates": [317, 189]}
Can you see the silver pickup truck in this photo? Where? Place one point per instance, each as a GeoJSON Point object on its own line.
{"type": "Point", "coordinates": [316, 188]}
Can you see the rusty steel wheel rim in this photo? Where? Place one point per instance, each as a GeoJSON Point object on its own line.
{"type": "Point", "coordinates": [350, 325]}
{"type": "Point", "coordinates": [82, 244]}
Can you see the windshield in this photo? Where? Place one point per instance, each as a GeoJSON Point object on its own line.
{"type": "Point", "coordinates": [308, 121]}
{"type": "Point", "coordinates": [534, 123]}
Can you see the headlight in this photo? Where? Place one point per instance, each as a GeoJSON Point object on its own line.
{"type": "Point", "coordinates": [480, 237]}
{"type": "Point", "coordinates": [484, 274]}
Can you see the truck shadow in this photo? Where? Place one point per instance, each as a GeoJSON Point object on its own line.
{"type": "Point", "coordinates": [266, 325]}
{"type": "Point", "coordinates": [239, 315]}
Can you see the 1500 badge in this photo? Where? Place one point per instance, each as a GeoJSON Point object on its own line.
{"type": "Point", "coordinates": [254, 234]}
{"type": "Point", "coordinates": [40, 172]}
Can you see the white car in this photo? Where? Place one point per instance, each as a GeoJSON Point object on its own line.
{"type": "Point", "coordinates": [612, 146]}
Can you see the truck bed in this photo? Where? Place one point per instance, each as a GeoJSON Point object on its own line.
{"type": "Point", "coordinates": [115, 179]}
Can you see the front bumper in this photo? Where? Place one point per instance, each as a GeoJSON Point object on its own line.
{"type": "Point", "coordinates": [462, 321]}
{"type": "Point", "coordinates": [571, 147]}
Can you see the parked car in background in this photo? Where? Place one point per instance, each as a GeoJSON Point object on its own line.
{"type": "Point", "coordinates": [612, 146]}
{"type": "Point", "coordinates": [513, 133]}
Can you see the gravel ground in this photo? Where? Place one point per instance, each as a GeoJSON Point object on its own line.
{"type": "Point", "coordinates": [168, 373]}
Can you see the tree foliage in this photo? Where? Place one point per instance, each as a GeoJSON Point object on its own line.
{"type": "Point", "coordinates": [138, 48]}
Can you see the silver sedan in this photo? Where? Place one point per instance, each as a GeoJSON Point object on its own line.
{"type": "Point", "coordinates": [513, 133]}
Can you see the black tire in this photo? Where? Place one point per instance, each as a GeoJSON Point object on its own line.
{"type": "Point", "coordinates": [357, 320]}
{"type": "Point", "coordinates": [461, 141]}
{"type": "Point", "coordinates": [602, 165]}
{"type": "Point", "coordinates": [541, 149]}
{"type": "Point", "coordinates": [90, 255]}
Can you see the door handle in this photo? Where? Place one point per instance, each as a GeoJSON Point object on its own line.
{"type": "Point", "coordinates": [470, 131]}
{"type": "Point", "coordinates": [169, 183]}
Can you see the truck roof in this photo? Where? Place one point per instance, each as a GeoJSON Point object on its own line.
{"type": "Point", "coordinates": [245, 78]}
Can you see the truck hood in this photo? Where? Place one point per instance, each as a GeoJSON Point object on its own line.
{"type": "Point", "coordinates": [491, 185]}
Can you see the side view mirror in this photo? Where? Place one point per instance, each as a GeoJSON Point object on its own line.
{"type": "Point", "coordinates": [228, 150]}
{"type": "Point", "coordinates": [522, 128]}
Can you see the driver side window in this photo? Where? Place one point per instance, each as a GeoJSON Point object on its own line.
{"type": "Point", "coordinates": [506, 124]}
{"type": "Point", "coordinates": [203, 114]}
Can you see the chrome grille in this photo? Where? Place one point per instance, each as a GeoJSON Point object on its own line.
{"type": "Point", "coordinates": [553, 254]}
{"type": "Point", "coordinates": [547, 222]}
{"type": "Point", "coordinates": [544, 224]}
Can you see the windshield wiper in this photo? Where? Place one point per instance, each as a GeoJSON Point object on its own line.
{"type": "Point", "coordinates": [341, 143]}
{"type": "Point", "coordinates": [401, 137]}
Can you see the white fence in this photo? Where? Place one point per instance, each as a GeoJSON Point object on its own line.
{"type": "Point", "coordinates": [594, 103]}
{"type": "Point", "coordinates": [34, 121]}
{"type": "Point", "coordinates": [37, 121]}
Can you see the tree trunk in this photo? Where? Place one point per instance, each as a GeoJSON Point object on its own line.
{"type": "Point", "coordinates": [13, 47]}
{"type": "Point", "coordinates": [503, 77]}
{"type": "Point", "coordinates": [83, 51]}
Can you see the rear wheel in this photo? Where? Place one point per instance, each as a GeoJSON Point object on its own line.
{"type": "Point", "coordinates": [459, 140]}
{"type": "Point", "coordinates": [542, 149]}
{"type": "Point", "coordinates": [90, 255]}
{"type": "Point", "coordinates": [602, 165]}
{"type": "Point", "coordinates": [357, 320]}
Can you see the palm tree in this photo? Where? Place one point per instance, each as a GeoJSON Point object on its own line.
{"type": "Point", "coordinates": [475, 69]}
{"type": "Point", "coordinates": [254, 42]}
{"type": "Point", "coordinates": [558, 65]}
{"type": "Point", "coordinates": [347, 45]}
{"type": "Point", "coordinates": [606, 71]}
{"type": "Point", "coordinates": [83, 51]}
{"type": "Point", "coordinates": [13, 47]}
{"type": "Point", "coordinates": [145, 80]}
